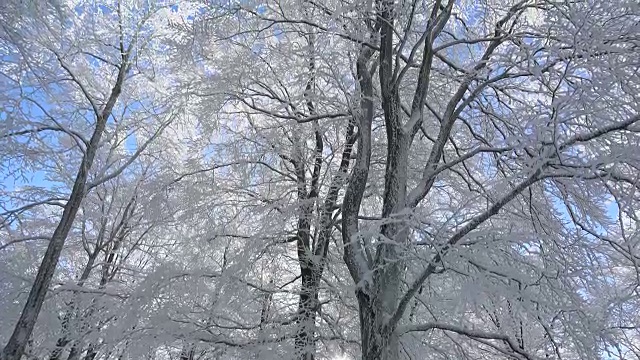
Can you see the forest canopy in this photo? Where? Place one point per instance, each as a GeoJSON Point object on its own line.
{"type": "Point", "coordinates": [319, 179]}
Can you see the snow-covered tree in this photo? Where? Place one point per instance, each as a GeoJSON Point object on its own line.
{"type": "Point", "coordinates": [300, 179]}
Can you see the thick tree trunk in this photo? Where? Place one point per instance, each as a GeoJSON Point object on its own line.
{"type": "Point", "coordinates": [378, 341]}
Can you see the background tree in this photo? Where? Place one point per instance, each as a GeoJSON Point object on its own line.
{"type": "Point", "coordinates": [65, 85]}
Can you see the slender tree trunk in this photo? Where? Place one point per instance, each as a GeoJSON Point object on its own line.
{"type": "Point", "coordinates": [354, 254]}
{"type": "Point", "coordinates": [76, 349]}
{"type": "Point", "coordinates": [24, 328]}
{"type": "Point", "coordinates": [109, 270]}
{"type": "Point", "coordinates": [15, 347]}
{"type": "Point", "coordinates": [378, 342]}
{"type": "Point", "coordinates": [63, 340]}
{"type": "Point", "coordinates": [305, 328]}
{"type": "Point", "coordinates": [312, 267]}
{"type": "Point", "coordinates": [308, 300]}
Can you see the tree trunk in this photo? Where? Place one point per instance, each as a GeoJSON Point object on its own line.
{"type": "Point", "coordinates": [306, 317]}
{"type": "Point", "coordinates": [24, 328]}
{"type": "Point", "coordinates": [106, 275]}
{"type": "Point", "coordinates": [312, 268]}
{"type": "Point", "coordinates": [354, 254]}
{"type": "Point", "coordinates": [378, 341]}
{"type": "Point", "coordinates": [63, 340]}
{"type": "Point", "coordinates": [15, 347]}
